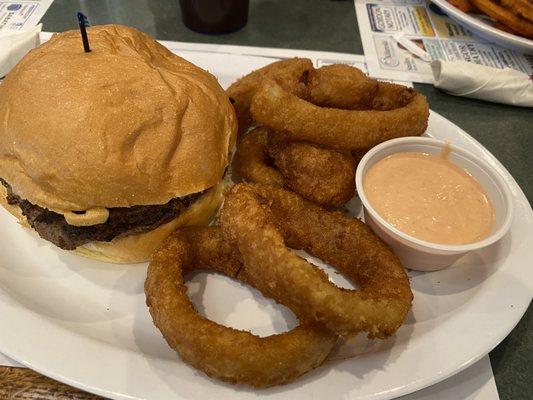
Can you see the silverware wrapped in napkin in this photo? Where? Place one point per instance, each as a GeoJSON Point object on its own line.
{"type": "Point", "coordinates": [468, 79]}
{"type": "Point", "coordinates": [506, 86]}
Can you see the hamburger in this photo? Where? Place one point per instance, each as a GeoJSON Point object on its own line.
{"type": "Point", "coordinates": [105, 153]}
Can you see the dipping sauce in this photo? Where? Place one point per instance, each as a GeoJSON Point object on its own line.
{"type": "Point", "coordinates": [430, 198]}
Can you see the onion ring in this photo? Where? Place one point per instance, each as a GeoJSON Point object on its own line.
{"type": "Point", "coordinates": [341, 86]}
{"type": "Point", "coordinates": [279, 109]}
{"type": "Point", "coordinates": [287, 72]}
{"type": "Point", "coordinates": [259, 218]}
{"type": "Point", "coordinates": [251, 161]}
{"type": "Point", "coordinates": [323, 176]}
{"type": "Point", "coordinates": [228, 354]}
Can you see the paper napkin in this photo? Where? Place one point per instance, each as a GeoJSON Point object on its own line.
{"type": "Point", "coordinates": [506, 86]}
{"type": "Point", "coordinates": [14, 45]}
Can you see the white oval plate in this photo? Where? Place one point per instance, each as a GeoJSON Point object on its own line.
{"type": "Point", "coordinates": [486, 31]}
{"type": "Point", "coordinates": [85, 323]}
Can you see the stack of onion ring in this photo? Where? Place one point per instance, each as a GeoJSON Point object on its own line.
{"type": "Point", "coordinates": [228, 354]}
{"type": "Point", "coordinates": [292, 94]}
{"type": "Point", "coordinates": [279, 109]}
{"type": "Point", "coordinates": [257, 224]}
{"type": "Point", "coordinates": [323, 111]}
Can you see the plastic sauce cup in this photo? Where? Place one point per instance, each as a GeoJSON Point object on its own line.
{"type": "Point", "coordinates": [418, 254]}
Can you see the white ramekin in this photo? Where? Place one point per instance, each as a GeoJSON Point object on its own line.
{"type": "Point", "coordinates": [426, 256]}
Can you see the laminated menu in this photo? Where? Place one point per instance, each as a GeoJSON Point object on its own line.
{"type": "Point", "coordinates": [384, 23]}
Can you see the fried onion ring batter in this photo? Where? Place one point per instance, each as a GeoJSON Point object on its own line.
{"type": "Point", "coordinates": [287, 72]}
{"type": "Point", "coordinates": [279, 109]}
{"type": "Point", "coordinates": [258, 219]}
{"type": "Point", "coordinates": [341, 86]}
{"type": "Point", "coordinates": [323, 176]}
{"type": "Point", "coordinates": [221, 352]}
{"type": "Point", "coordinates": [251, 160]}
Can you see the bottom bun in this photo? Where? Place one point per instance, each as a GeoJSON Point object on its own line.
{"type": "Point", "coordinates": [13, 210]}
{"type": "Point", "coordinates": [139, 248]}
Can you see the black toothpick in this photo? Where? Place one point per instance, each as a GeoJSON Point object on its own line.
{"type": "Point", "coordinates": [83, 22]}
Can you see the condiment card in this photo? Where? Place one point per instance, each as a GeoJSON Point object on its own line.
{"type": "Point", "coordinates": [383, 24]}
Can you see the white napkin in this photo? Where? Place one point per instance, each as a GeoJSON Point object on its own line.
{"type": "Point", "coordinates": [15, 44]}
{"type": "Point", "coordinates": [7, 362]}
{"type": "Point", "coordinates": [475, 383]}
{"type": "Point", "coordinates": [506, 86]}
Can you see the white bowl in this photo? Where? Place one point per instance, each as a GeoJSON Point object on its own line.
{"type": "Point", "coordinates": [426, 256]}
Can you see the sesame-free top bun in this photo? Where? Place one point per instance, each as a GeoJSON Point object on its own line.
{"type": "Point", "coordinates": [129, 123]}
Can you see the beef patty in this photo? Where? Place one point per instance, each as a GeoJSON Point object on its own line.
{"type": "Point", "coordinates": [122, 221]}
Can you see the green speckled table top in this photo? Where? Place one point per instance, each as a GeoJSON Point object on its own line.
{"type": "Point", "coordinates": [331, 26]}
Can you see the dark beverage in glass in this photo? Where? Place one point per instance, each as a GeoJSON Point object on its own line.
{"type": "Point", "coordinates": [214, 16]}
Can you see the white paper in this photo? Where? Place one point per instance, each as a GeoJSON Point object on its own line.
{"type": "Point", "coordinates": [8, 362]}
{"type": "Point", "coordinates": [474, 383]}
{"type": "Point", "coordinates": [438, 35]}
{"type": "Point", "coordinates": [22, 14]}
{"type": "Point", "coordinates": [506, 86]}
{"type": "Point", "coordinates": [15, 44]}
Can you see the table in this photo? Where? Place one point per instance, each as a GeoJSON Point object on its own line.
{"type": "Point", "coordinates": [331, 26]}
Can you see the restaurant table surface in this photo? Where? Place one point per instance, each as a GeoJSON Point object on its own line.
{"type": "Point", "coordinates": [329, 25]}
